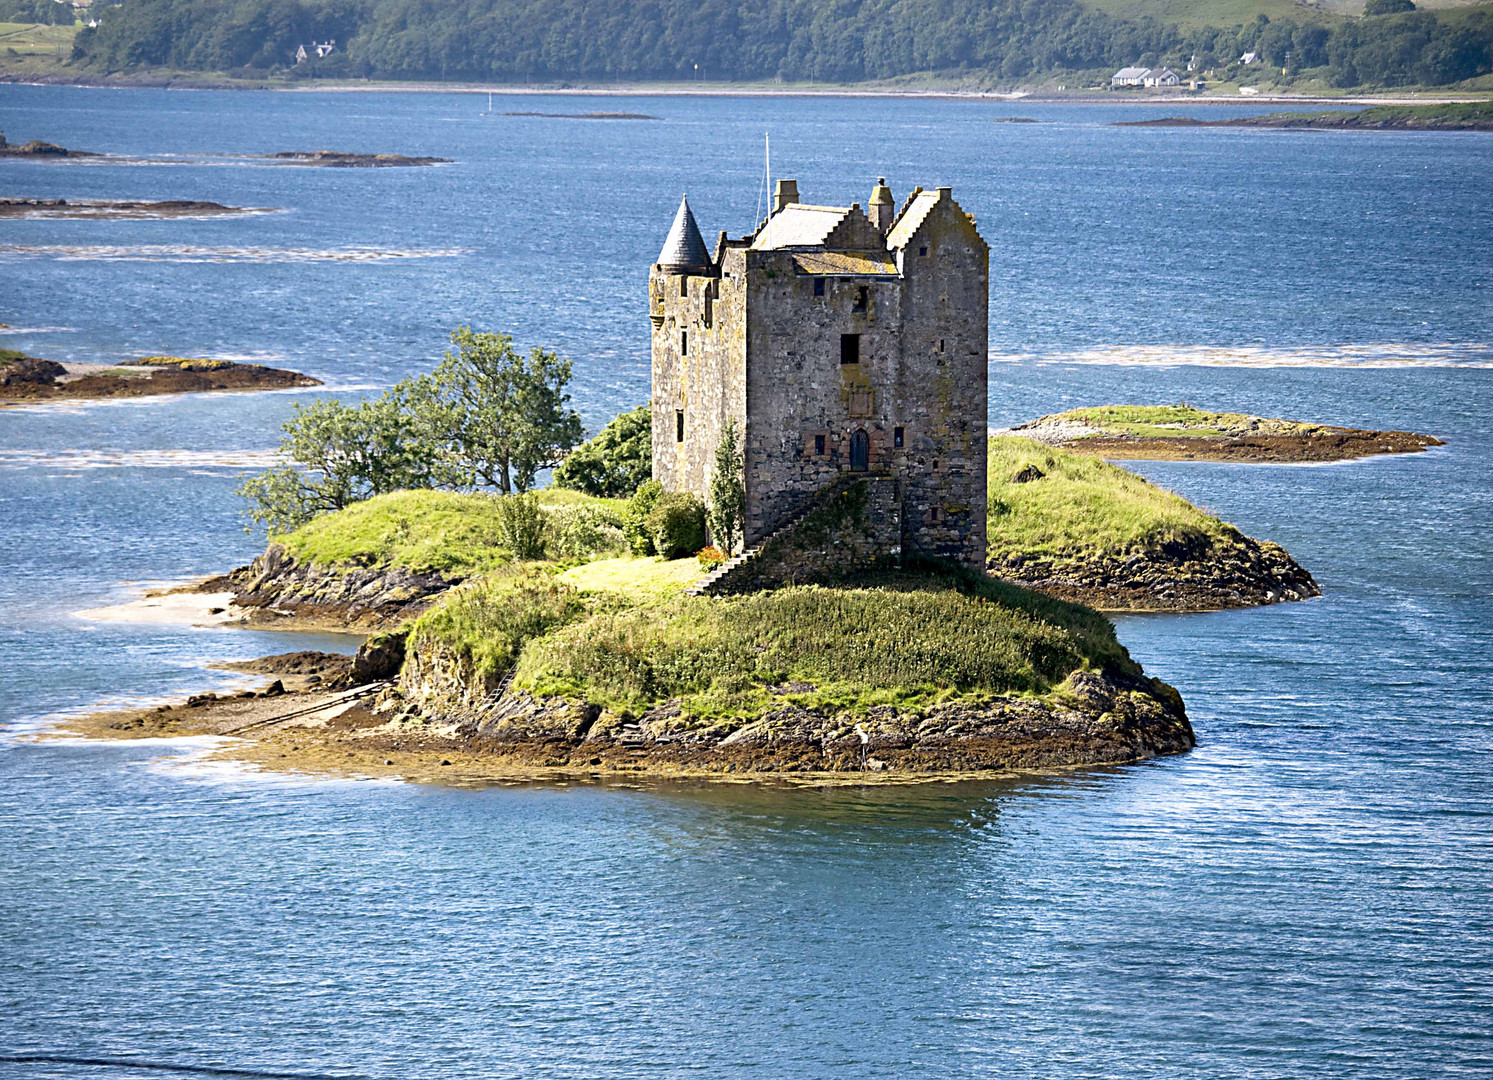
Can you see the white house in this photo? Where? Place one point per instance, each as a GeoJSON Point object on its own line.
{"type": "Point", "coordinates": [1130, 76]}
{"type": "Point", "coordinates": [1249, 58]}
{"type": "Point", "coordinates": [1161, 77]}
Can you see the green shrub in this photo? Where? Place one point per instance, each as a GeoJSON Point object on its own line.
{"type": "Point", "coordinates": [523, 526]}
{"type": "Point", "coordinates": [585, 532]}
{"type": "Point", "coordinates": [677, 524]}
{"type": "Point", "coordinates": [635, 517]}
{"type": "Point", "coordinates": [616, 461]}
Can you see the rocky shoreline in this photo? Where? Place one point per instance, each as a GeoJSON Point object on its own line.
{"type": "Point", "coordinates": [26, 380]}
{"type": "Point", "coordinates": [1177, 577]}
{"type": "Point", "coordinates": [1256, 440]}
{"type": "Point", "coordinates": [434, 725]}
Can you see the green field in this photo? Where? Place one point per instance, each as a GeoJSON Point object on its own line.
{"type": "Point", "coordinates": [34, 49]}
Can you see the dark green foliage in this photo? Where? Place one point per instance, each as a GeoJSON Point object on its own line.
{"type": "Point", "coordinates": [36, 11]}
{"type": "Point", "coordinates": [635, 519]}
{"type": "Point", "coordinates": [676, 524]}
{"type": "Point", "coordinates": [615, 462]}
{"type": "Point", "coordinates": [1388, 7]}
{"type": "Point", "coordinates": [727, 493]}
{"type": "Point", "coordinates": [522, 526]}
{"type": "Point", "coordinates": [795, 40]}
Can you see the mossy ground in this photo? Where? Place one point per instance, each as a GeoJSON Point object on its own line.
{"type": "Point", "coordinates": [1082, 507]}
{"type": "Point", "coordinates": [1178, 421]}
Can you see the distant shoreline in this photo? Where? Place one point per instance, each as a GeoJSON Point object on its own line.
{"type": "Point", "coordinates": [187, 81]}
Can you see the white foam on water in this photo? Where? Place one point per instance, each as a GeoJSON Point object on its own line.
{"type": "Point", "coordinates": [187, 253]}
{"type": "Point", "coordinates": [1383, 355]}
{"type": "Point", "coordinates": [77, 460]}
{"type": "Point", "coordinates": [37, 330]}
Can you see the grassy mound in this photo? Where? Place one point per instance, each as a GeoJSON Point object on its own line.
{"type": "Point", "coordinates": [1053, 502]}
{"type": "Point", "coordinates": [458, 535]}
{"type": "Point", "coordinates": [1175, 421]}
{"type": "Point", "coordinates": [909, 639]}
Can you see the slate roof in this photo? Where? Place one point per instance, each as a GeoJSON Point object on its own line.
{"type": "Point", "coordinates": [684, 248]}
{"type": "Point", "coordinates": [911, 220]}
{"type": "Point", "coordinates": [799, 225]}
{"type": "Point", "coordinates": [1131, 73]}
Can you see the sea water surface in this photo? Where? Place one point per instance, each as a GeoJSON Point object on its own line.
{"type": "Point", "coordinates": [1308, 893]}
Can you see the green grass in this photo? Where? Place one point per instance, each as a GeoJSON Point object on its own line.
{"type": "Point", "coordinates": [1179, 421]}
{"type": "Point", "coordinates": [1084, 507]}
{"type": "Point", "coordinates": [638, 579]}
{"type": "Point", "coordinates": [34, 49]}
{"type": "Point", "coordinates": [454, 534]}
{"type": "Point", "coordinates": [1195, 13]}
{"type": "Point", "coordinates": [1441, 115]}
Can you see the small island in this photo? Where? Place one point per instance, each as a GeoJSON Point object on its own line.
{"type": "Point", "coordinates": [30, 379]}
{"type": "Point", "coordinates": [41, 151]}
{"type": "Point", "coordinates": [115, 209]}
{"type": "Point", "coordinates": [340, 159]}
{"type": "Point", "coordinates": [1183, 433]}
{"type": "Point", "coordinates": [1446, 116]}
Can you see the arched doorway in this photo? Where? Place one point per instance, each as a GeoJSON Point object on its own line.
{"type": "Point", "coordinates": [860, 452]}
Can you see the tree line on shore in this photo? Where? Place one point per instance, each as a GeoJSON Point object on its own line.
{"type": "Point", "coordinates": [752, 40]}
{"type": "Point", "coordinates": [492, 418]}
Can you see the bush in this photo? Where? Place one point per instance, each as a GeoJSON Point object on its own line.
{"type": "Point", "coordinates": [709, 558]}
{"type": "Point", "coordinates": [522, 526]}
{"type": "Point", "coordinates": [635, 519]}
{"type": "Point", "coordinates": [489, 623]}
{"type": "Point", "coordinates": [615, 462]}
{"type": "Point", "coordinates": [584, 532]}
{"type": "Point", "coordinates": [676, 524]}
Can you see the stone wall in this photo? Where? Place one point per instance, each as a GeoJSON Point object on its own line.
{"type": "Point", "coordinates": [855, 525]}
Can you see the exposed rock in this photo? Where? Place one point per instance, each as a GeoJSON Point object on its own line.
{"type": "Point", "coordinates": [1199, 576]}
{"type": "Point", "coordinates": [306, 662]}
{"type": "Point", "coordinates": [275, 588]}
{"type": "Point", "coordinates": [109, 209]}
{"type": "Point", "coordinates": [149, 380]}
{"type": "Point", "coordinates": [1096, 718]}
{"type": "Point", "coordinates": [30, 371]}
{"type": "Point", "coordinates": [338, 159]}
{"type": "Point", "coordinates": [38, 149]}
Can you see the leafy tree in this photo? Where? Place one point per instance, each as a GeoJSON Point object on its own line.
{"type": "Point", "coordinates": [727, 514]}
{"type": "Point", "coordinates": [491, 417]}
{"type": "Point", "coordinates": [1387, 7]}
{"type": "Point", "coordinates": [635, 518]}
{"type": "Point", "coordinates": [676, 524]}
{"type": "Point", "coordinates": [616, 461]}
{"type": "Point", "coordinates": [337, 455]}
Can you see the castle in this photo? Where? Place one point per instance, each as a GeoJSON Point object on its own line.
{"type": "Point", "coordinates": [840, 341]}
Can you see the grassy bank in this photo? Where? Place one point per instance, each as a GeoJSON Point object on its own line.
{"type": "Point", "coordinates": [1053, 502]}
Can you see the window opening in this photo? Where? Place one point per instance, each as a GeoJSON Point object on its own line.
{"type": "Point", "coordinates": [684, 343]}
{"type": "Point", "coordinates": [679, 425]}
{"type": "Point", "coordinates": [922, 251]}
{"type": "Point", "coordinates": [860, 451]}
{"type": "Point", "coordinates": [819, 444]}
{"type": "Point", "coordinates": [897, 437]}
{"type": "Point", "coordinates": [862, 298]}
{"type": "Point", "coordinates": [850, 348]}
{"type": "Point", "coordinates": [818, 286]}
{"type": "Point", "coordinates": [933, 514]}
{"type": "Point", "coordinates": [683, 284]}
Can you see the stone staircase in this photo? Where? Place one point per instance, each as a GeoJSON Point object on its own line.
{"type": "Point", "coordinates": [712, 583]}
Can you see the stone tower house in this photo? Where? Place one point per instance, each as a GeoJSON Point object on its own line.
{"type": "Point", "coordinates": [839, 342]}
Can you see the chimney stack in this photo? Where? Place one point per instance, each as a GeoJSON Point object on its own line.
{"type": "Point", "coordinates": [785, 193]}
{"type": "Point", "coordinates": [883, 209]}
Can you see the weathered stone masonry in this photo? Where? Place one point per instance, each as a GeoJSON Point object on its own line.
{"type": "Point", "coordinates": [838, 342]}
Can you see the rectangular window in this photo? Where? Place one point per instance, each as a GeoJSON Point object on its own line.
{"type": "Point", "coordinates": [940, 344]}
{"type": "Point", "coordinates": [819, 444]}
{"type": "Point", "coordinates": [684, 343]}
{"type": "Point", "coordinates": [922, 251]}
{"type": "Point", "coordinates": [897, 437]}
{"type": "Point", "coordinates": [862, 298]}
{"type": "Point", "coordinates": [850, 348]}
{"type": "Point", "coordinates": [679, 425]}
{"type": "Point", "coordinates": [818, 286]}
{"type": "Point", "coordinates": [683, 284]}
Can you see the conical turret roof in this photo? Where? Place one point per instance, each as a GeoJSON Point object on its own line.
{"type": "Point", "coordinates": [685, 247]}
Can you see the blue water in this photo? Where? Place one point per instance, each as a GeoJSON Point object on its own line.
{"type": "Point", "coordinates": [1309, 893]}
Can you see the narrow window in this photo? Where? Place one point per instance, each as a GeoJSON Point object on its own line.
{"type": "Point", "coordinates": [897, 438]}
{"type": "Point", "coordinates": [850, 348]}
{"type": "Point", "coordinates": [819, 444]}
{"type": "Point", "coordinates": [684, 343]}
{"type": "Point", "coordinates": [860, 452]}
{"type": "Point", "coordinates": [679, 425]}
{"type": "Point", "coordinates": [818, 286]}
{"type": "Point", "coordinates": [940, 344]}
{"type": "Point", "coordinates": [862, 298]}
{"type": "Point", "coordinates": [933, 514]}
{"type": "Point", "coordinates": [923, 251]}
{"type": "Point", "coordinates": [683, 284]}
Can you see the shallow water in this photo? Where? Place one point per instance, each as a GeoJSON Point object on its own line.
{"type": "Point", "coordinates": [1309, 893]}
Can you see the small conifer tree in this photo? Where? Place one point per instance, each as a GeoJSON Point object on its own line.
{"type": "Point", "coordinates": [727, 493]}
